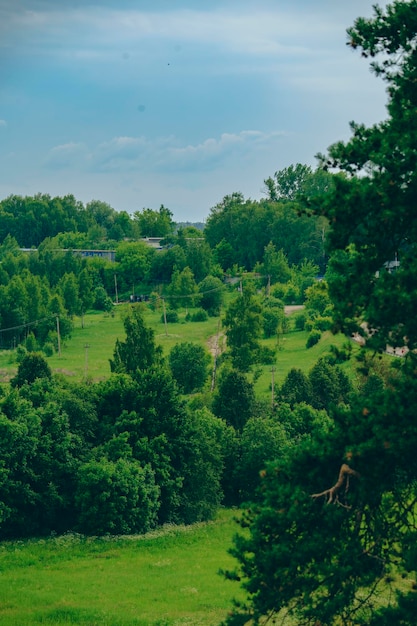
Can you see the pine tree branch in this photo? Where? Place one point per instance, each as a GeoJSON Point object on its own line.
{"type": "Point", "coordinates": [332, 494]}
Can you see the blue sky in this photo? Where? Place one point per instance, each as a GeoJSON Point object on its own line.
{"type": "Point", "coordinates": [146, 102]}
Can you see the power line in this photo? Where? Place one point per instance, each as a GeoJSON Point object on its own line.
{"type": "Point", "coordinates": [27, 324]}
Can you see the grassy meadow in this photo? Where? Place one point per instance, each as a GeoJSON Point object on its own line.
{"type": "Point", "coordinates": [86, 354]}
{"type": "Point", "coordinates": [169, 577]}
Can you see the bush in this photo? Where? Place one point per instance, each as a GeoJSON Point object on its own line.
{"type": "Point", "coordinates": [102, 302]}
{"type": "Point", "coordinates": [31, 343]}
{"type": "Point", "coordinates": [48, 348]}
{"type": "Point", "coordinates": [200, 315]}
{"type": "Point", "coordinates": [116, 498]}
{"type": "Point", "coordinates": [313, 338]}
{"type": "Point", "coordinates": [171, 317]}
{"type": "Point", "coordinates": [266, 355]}
{"type": "Point", "coordinates": [21, 352]}
{"type": "Point", "coordinates": [292, 294]}
{"type": "Point", "coordinates": [322, 323]}
{"type": "Point", "coordinates": [300, 321]}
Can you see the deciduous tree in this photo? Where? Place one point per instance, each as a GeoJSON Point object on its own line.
{"type": "Point", "coordinates": [243, 324]}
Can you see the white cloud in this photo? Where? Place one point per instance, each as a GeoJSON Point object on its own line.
{"type": "Point", "coordinates": [212, 152]}
{"type": "Point", "coordinates": [3, 123]}
{"type": "Point", "coordinates": [124, 154]}
{"type": "Point", "coordinates": [249, 31]}
{"type": "Point", "coordinates": [68, 155]}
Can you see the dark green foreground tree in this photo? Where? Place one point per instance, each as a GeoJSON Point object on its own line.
{"type": "Point", "coordinates": [333, 541]}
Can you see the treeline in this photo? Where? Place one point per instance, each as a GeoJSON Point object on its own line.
{"type": "Point", "coordinates": [139, 449]}
{"type": "Point", "coordinates": [157, 441]}
{"type": "Point", "coordinates": [50, 280]}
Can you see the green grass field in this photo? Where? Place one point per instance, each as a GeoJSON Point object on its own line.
{"type": "Point", "coordinates": [164, 578]}
{"type": "Point", "coordinates": [87, 352]}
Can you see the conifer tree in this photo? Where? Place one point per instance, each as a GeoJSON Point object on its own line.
{"type": "Point", "coordinates": [333, 540]}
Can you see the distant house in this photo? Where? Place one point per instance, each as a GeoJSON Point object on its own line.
{"type": "Point", "coordinates": [110, 255]}
{"type": "Point", "coordinates": [153, 242]}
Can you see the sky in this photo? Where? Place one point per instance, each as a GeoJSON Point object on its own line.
{"type": "Point", "coordinates": [140, 103]}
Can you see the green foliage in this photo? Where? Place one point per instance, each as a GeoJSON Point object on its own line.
{"type": "Point", "coordinates": [199, 315]}
{"type": "Point", "coordinates": [115, 497]}
{"type": "Point", "coordinates": [203, 470]}
{"type": "Point", "coordinates": [154, 223]}
{"type": "Point", "coordinates": [32, 366]}
{"type": "Point", "coordinates": [333, 531]}
{"type": "Point", "coordinates": [189, 366]}
{"type": "Point", "coordinates": [166, 261]}
{"type": "Point", "coordinates": [134, 260]}
{"type": "Point", "coordinates": [296, 181]}
{"type": "Point", "coordinates": [296, 388]}
{"type": "Point", "coordinates": [329, 383]}
{"type": "Point", "coordinates": [234, 400]}
{"type": "Point", "coordinates": [263, 440]}
{"type": "Point", "coordinates": [243, 324]}
{"type": "Point", "coordinates": [317, 300]}
{"type": "Point", "coordinates": [183, 290]}
{"type": "Point", "coordinates": [240, 230]}
{"type": "Point", "coordinates": [275, 265]}
{"type": "Point", "coordinates": [101, 301]}
{"type": "Point", "coordinates": [211, 291]}
{"type": "Point", "coordinates": [139, 351]}
{"type": "Point", "coordinates": [274, 318]}
{"type": "Point", "coordinates": [313, 338]}
{"type": "Point", "coordinates": [170, 316]}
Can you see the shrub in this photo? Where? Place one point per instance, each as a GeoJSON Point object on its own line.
{"type": "Point", "coordinates": [171, 317]}
{"type": "Point", "coordinates": [200, 315]}
{"type": "Point", "coordinates": [116, 497]}
{"type": "Point", "coordinates": [48, 348]}
{"type": "Point", "coordinates": [266, 355]}
{"type": "Point", "coordinates": [31, 343]}
{"type": "Point", "coordinates": [313, 338]}
{"type": "Point", "coordinates": [322, 323]}
{"type": "Point", "coordinates": [101, 301]}
{"type": "Point", "coordinates": [300, 321]}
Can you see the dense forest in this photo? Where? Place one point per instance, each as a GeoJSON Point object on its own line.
{"type": "Point", "coordinates": [326, 473]}
{"type": "Point", "coordinates": [156, 442]}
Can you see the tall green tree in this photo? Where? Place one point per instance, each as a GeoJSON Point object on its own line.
{"type": "Point", "coordinates": [289, 183]}
{"type": "Point", "coordinates": [139, 350]}
{"type": "Point", "coordinates": [244, 324]}
{"type": "Point", "coordinates": [336, 529]}
{"type": "Point", "coordinates": [189, 363]}
{"type": "Point", "coordinates": [234, 400]}
{"type": "Point", "coordinates": [154, 223]}
{"type": "Point", "coordinates": [211, 291]}
{"type": "Point", "coordinates": [182, 290]}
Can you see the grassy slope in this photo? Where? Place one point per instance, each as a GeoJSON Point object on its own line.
{"type": "Point", "coordinates": [87, 352]}
{"type": "Point", "coordinates": [166, 578]}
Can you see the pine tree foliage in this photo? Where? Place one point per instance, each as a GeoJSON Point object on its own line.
{"type": "Point", "coordinates": [332, 541]}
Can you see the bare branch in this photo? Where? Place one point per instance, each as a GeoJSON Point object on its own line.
{"type": "Point", "coordinates": [332, 494]}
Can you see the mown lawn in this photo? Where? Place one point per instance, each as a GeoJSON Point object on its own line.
{"type": "Point", "coordinates": [169, 577]}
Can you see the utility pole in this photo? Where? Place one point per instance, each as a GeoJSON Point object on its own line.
{"type": "Point", "coordinates": [165, 317]}
{"type": "Point", "coordinates": [115, 289]}
{"type": "Point", "coordinates": [59, 336]}
{"type": "Point", "coordinates": [273, 385]}
{"type": "Point", "coordinates": [216, 352]}
{"type": "Point", "coordinates": [86, 346]}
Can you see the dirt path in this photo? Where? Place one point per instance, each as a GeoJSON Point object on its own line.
{"type": "Point", "coordinates": [291, 308]}
{"type": "Point", "coordinates": [216, 344]}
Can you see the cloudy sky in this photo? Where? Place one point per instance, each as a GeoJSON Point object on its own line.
{"type": "Point", "coordinates": [178, 102]}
